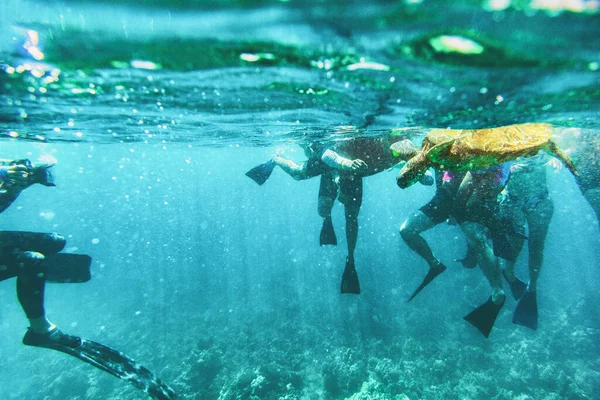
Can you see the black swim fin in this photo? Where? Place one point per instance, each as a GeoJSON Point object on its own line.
{"type": "Point", "coordinates": [67, 268]}
{"type": "Point", "coordinates": [517, 286]}
{"type": "Point", "coordinates": [431, 275]}
{"type": "Point", "coordinates": [484, 316]}
{"type": "Point", "coordinates": [350, 282]}
{"type": "Point", "coordinates": [327, 233]}
{"type": "Point", "coordinates": [261, 173]}
{"type": "Point", "coordinates": [117, 364]}
{"type": "Point", "coordinates": [526, 313]}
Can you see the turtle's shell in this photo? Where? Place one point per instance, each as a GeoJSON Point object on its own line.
{"type": "Point", "coordinates": [503, 143]}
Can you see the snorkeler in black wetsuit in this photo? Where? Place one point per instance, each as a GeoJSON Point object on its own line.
{"type": "Point", "coordinates": [436, 211]}
{"type": "Point", "coordinates": [22, 254]}
{"type": "Point", "coordinates": [34, 258]}
{"type": "Point", "coordinates": [527, 203]}
{"type": "Point", "coordinates": [342, 169]}
{"type": "Point", "coordinates": [468, 198]}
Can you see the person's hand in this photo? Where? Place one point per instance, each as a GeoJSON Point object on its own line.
{"type": "Point", "coordinates": [358, 165]}
{"type": "Point", "coordinates": [555, 163]}
{"type": "Point", "coordinates": [502, 196]}
{"type": "Point", "coordinates": [14, 177]}
{"type": "Point", "coordinates": [518, 167]}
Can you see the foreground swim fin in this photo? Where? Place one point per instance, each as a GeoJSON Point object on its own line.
{"type": "Point", "coordinates": [350, 282]}
{"type": "Point", "coordinates": [117, 364]}
{"type": "Point", "coordinates": [517, 286]}
{"type": "Point", "coordinates": [431, 275]}
{"type": "Point", "coordinates": [67, 268]}
{"type": "Point", "coordinates": [484, 316]}
{"type": "Point", "coordinates": [327, 233]}
{"type": "Point", "coordinates": [261, 173]}
{"type": "Point", "coordinates": [526, 313]}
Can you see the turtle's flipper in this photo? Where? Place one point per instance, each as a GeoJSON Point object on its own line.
{"type": "Point", "coordinates": [526, 313]}
{"type": "Point", "coordinates": [517, 286]}
{"type": "Point", "coordinates": [435, 154]}
{"type": "Point", "coordinates": [431, 275]}
{"type": "Point", "coordinates": [562, 156]}
{"type": "Point", "coordinates": [484, 316]}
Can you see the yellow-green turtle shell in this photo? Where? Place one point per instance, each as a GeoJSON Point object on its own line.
{"type": "Point", "coordinates": [482, 148]}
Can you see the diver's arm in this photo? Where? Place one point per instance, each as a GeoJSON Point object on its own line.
{"type": "Point", "coordinates": [463, 195]}
{"type": "Point", "coordinates": [334, 160]}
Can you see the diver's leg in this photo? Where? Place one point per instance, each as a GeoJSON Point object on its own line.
{"type": "Point", "coordinates": [327, 195]}
{"type": "Point", "coordinates": [22, 257]}
{"type": "Point", "coordinates": [411, 230]}
{"type": "Point", "coordinates": [484, 316]}
{"type": "Point", "coordinates": [31, 283]}
{"type": "Point", "coordinates": [291, 168]}
{"type": "Point", "coordinates": [351, 197]}
{"type": "Point", "coordinates": [538, 220]}
{"type": "Point", "coordinates": [476, 236]}
{"type": "Point", "coordinates": [30, 292]}
{"type": "Point", "coordinates": [351, 192]}
{"type": "Point", "coordinates": [513, 213]}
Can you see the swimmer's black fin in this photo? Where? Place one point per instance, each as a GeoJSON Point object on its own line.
{"type": "Point", "coordinates": [327, 233]}
{"type": "Point", "coordinates": [484, 316]}
{"type": "Point", "coordinates": [350, 282]}
{"type": "Point", "coordinates": [67, 268]}
{"type": "Point", "coordinates": [117, 364]}
{"type": "Point", "coordinates": [526, 313]}
{"type": "Point", "coordinates": [431, 275]}
{"type": "Point", "coordinates": [261, 173]}
{"type": "Point", "coordinates": [517, 286]}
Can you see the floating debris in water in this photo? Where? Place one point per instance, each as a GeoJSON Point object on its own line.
{"type": "Point", "coordinates": [552, 7]}
{"type": "Point", "coordinates": [368, 65]}
{"type": "Point", "coordinates": [455, 44]}
{"type": "Point", "coordinates": [141, 64]}
{"type": "Point", "coordinates": [251, 57]}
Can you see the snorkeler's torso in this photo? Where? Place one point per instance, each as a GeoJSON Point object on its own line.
{"type": "Point", "coordinates": [374, 151]}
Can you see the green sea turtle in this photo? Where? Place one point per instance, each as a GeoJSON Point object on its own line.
{"type": "Point", "coordinates": [476, 149]}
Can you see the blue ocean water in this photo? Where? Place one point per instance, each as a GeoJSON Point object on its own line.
{"type": "Point", "coordinates": [154, 112]}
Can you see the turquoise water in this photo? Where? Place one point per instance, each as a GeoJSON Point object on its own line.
{"type": "Point", "coordinates": [155, 110]}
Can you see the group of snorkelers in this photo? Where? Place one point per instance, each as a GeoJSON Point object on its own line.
{"type": "Point", "coordinates": [498, 208]}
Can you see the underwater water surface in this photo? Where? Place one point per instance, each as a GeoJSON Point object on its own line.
{"type": "Point", "coordinates": [154, 112]}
